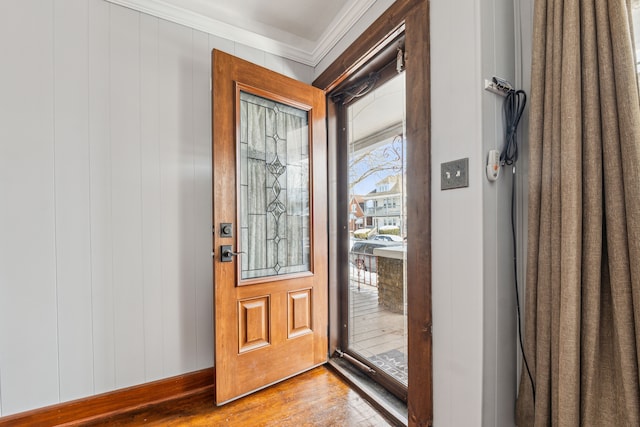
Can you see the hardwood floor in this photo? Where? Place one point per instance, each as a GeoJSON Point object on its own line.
{"type": "Point", "coordinates": [315, 398]}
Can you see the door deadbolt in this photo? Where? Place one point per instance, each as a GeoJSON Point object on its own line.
{"type": "Point", "coordinates": [226, 229]}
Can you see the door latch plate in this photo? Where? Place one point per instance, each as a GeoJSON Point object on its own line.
{"type": "Point", "coordinates": [226, 253]}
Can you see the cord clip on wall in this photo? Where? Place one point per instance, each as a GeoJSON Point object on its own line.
{"type": "Point", "coordinates": [513, 107]}
{"type": "Point", "coordinates": [498, 85]}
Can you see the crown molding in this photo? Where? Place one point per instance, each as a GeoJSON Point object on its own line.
{"type": "Point", "coordinates": [295, 48]}
{"type": "Point", "coordinates": [166, 11]}
{"type": "Point", "coordinates": [346, 18]}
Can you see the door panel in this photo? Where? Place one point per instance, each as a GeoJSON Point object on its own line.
{"type": "Point", "coordinates": [300, 313]}
{"type": "Point", "coordinates": [269, 180]}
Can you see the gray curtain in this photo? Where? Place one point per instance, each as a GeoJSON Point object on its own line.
{"type": "Point", "coordinates": [582, 312]}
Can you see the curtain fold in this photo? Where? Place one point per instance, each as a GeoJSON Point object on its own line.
{"type": "Point", "coordinates": [582, 304]}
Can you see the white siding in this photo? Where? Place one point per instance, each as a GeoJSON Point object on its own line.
{"type": "Point", "coordinates": [105, 198]}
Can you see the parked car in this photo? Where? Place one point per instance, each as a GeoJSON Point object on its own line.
{"type": "Point", "coordinates": [361, 254]}
{"type": "Point", "coordinates": [387, 238]}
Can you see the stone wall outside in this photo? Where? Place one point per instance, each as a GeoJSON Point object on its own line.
{"type": "Point", "coordinates": [390, 284]}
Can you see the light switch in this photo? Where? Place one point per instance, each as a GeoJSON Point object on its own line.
{"type": "Point", "coordinates": [454, 174]}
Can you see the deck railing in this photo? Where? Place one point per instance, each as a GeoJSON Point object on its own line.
{"type": "Point", "coordinates": [362, 273]}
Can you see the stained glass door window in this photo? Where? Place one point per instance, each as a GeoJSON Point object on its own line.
{"type": "Point", "coordinates": [274, 188]}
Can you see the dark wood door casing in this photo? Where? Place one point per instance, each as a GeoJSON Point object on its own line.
{"type": "Point", "coordinates": [413, 15]}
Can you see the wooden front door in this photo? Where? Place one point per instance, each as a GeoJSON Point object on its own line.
{"type": "Point", "coordinates": [270, 220]}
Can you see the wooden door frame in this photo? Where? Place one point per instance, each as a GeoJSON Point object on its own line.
{"type": "Point", "coordinates": [413, 15]}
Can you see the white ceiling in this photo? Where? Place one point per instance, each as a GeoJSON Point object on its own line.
{"type": "Point", "coordinates": [301, 30]}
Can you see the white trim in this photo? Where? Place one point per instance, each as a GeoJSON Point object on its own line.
{"type": "Point", "coordinates": [348, 16]}
{"type": "Point", "coordinates": [296, 48]}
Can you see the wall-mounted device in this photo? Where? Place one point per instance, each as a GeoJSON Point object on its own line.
{"type": "Point", "coordinates": [498, 85]}
{"type": "Point", "coordinates": [493, 165]}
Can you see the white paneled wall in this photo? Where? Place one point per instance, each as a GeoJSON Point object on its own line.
{"type": "Point", "coordinates": [28, 266]}
{"type": "Point", "coordinates": [499, 349]}
{"type": "Point", "coordinates": [457, 228]}
{"type": "Point", "coordinates": [105, 198]}
{"type": "Point", "coordinates": [72, 176]}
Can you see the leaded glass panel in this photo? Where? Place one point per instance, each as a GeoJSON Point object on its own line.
{"type": "Point", "coordinates": [274, 188]}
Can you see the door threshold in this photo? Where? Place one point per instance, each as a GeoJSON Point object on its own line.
{"type": "Point", "coordinates": [392, 408]}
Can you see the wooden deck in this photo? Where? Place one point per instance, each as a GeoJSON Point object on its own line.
{"type": "Point", "coordinates": [376, 333]}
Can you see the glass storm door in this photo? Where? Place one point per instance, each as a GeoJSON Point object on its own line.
{"type": "Point", "coordinates": [377, 286]}
{"type": "Point", "coordinates": [269, 215]}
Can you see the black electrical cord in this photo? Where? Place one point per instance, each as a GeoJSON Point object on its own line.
{"type": "Point", "coordinates": [356, 90]}
{"type": "Point", "coordinates": [513, 108]}
{"type": "Point", "coordinates": [515, 272]}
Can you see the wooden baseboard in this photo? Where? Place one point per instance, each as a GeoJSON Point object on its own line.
{"type": "Point", "coordinates": [115, 402]}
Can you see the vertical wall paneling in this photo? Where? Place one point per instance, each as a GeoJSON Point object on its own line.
{"type": "Point", "coordinates": [124, 113]}
{"type": "Point", "coordinates": [496, 19]}
{"type": "Point", "coordinates": [249, 53]}
{"type": "Point", "coordinates": [28, 311]}
{"type": "Point", "coordinates": [506, 337]}
{"type": "Point", "coordinates": [176, 157]}
{"type": "Point", "coordinates": [105, 198]}
{"type": "Point", "coordinates": [100, 180]}
{"type": "Point", "coordinates": [491, 273]}
{"type": "Point", "coordinates": [274, 63]}
{"type": "Point", "coordinates": [298, 71]}
{"type": "Point", "coordinates": [457, 215]}
{"type": "Point", "coordinates": [151, 191]}
{"type": "Point", "coordinates": [72, 213]}
{"type": "Point", "coordinates": [202, 200]}
{"type": "Point", "coordinates": [219, 43]}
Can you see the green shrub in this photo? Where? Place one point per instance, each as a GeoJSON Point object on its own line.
{"type": "Point", "coordinates": [363, 233]}
{"type": "Point", "coordinates": [389, 229]}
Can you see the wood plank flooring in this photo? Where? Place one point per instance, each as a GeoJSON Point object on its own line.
{"type": "Point", "coordinates": [378, 334]}
{"type": "Point", "coordinates": [374, 329]}
{"type": "Point", "coordinates": [315, 398]}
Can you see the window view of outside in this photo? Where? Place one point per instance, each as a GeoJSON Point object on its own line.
{"type": "Point", "coordinates": [377, 229]}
